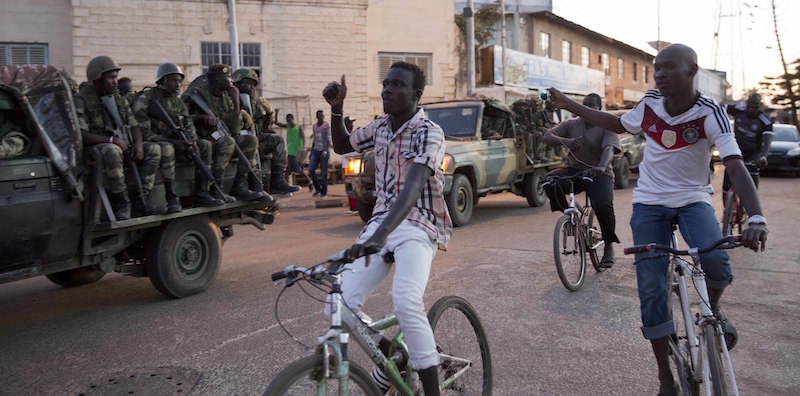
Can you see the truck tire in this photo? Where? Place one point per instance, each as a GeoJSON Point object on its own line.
{"type": "Point", "coordinates": [622, 174]}
{"type": "Point", "coordinates": [364, 210]}
{"type": "Point", "coordinates": [460, 201]}
{"type": "Point", "coordinates": [77, 276]}
{"type": "Point", "coordinates": [534, 192]}
{"type": "Point", "coordinates": [183, 258]}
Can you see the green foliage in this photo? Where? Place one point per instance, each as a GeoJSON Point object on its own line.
{"type": "Point", "coordinates": [486, 18]}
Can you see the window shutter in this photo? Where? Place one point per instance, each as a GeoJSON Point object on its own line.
{"type": "Point", "coordinates": [384, 62]}
{"type": "Point", "coordinates": [3, 55]}
{"type": "Point", "coordinates": [19, 55]}
{"type": "Point", "coordinates": [38, 56]}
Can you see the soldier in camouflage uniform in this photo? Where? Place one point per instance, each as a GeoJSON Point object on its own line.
{"type": "Point", "coordinates": [13, 143]}
{"type": "Point", "coordinates": [222, 97]}
{"type": "Point", "coordinates": [125, 86]}
{"type": "Point", "coordinates": [260, 115]}
{"type": "Point", "coordinates": [169, 78]}
{"type": "Point", "coordinates": [533, 123]}
{"type": "Point", "coordinates": [97, 129]}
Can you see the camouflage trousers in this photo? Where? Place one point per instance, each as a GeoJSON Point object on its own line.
{"type": "Point", "coordinates": [13, 144]}
{"type": "Point", "coordinates": [224, 150]}
{"type": "Point", "coordinates": [166, 165]}
{"type": "Point", "coordinates": [113, 162]}
{"type": "Point", "coordinates": [272, 143]}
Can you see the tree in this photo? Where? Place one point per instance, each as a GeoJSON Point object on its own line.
{"type": "Point", "coordinates": [486, 19]}
{"type": "Point", "coordinates": [778, 89]}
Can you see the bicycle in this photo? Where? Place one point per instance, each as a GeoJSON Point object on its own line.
{"type": "Point", "coordinates": [733, 214]}
{"type": "Point", "coordinates": [454, 322]}
{"type": "Point", "coordinates": [569, 247]}
{"type": "Point", "coordinates": [699, 348]}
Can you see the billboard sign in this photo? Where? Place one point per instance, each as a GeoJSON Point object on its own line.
{"type": "Point", "coordinates": [537, 72]}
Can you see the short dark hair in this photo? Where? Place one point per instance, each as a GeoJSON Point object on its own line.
{"type": "Point", "coordinates": [290, 115]}
{"type": "Point", "coordinates": [320, 111]}
{"type": "Point", "coordinates": [419, 75]}
{"type": "Point", "coordinates": [595, 97]}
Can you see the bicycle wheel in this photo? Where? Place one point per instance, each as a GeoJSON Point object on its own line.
{"type": "Point", "coordinates": [678, 344]}
{"type": "Point", "coordinates": [569, 254]}
{"type": "Point", "coordinates": [459, 334]}
{"type": "Point", "coordinates": [302, 378]}
{"type": "Point", "coordinates": [728, 214]}
{"type": "Point", "coordinates": [721, 384]}
{"type": "Point", "coordinates": [594, 238]}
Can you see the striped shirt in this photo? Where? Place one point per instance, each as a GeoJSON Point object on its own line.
{"type": "Point", "coordinates": [674, 172]}
{"type": "Point", "coordinates": [418, 141]}
{"type": "Point", "coordinates": [322, 137]}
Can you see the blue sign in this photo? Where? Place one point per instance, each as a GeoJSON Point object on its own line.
{"type": "Point", "coordinates": [536, 72]}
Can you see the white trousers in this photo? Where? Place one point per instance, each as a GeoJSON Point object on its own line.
{"type": "Point", "coordinates": [413, 253]}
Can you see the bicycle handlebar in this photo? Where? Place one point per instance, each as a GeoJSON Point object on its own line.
{"type": "Point", "coordinates": [550, 179]}
{"type": "Point", "coordinates": [728, 242]}
{"type": "Point", "coordinates": [336, 264]}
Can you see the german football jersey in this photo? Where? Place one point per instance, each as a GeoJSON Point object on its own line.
{"type": "Point", "coordinates": [675, 171]}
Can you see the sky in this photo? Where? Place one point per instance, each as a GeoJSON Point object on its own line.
{"type": "Point", "coordinates": [746, 47]}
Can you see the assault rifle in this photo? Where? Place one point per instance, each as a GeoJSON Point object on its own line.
{"type": "Point", "coordinates": [123, 132]}
{"type": "Point", "coordinates": [161, 114]}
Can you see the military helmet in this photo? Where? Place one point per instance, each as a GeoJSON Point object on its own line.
{"type": "Point", "coordinates": [99, 65]}
{"type": "Point", "coordinates": [219, 69]}
{"type": "Point", "coordinates": [243, 73]}
{"type": "Point", "coordinates": [166, 69]}
{"type": "Point", "coordinates": [6, 102]}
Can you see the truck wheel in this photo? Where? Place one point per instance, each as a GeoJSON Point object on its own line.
{"type": "Point", "coordinates": [364, 210]}
{"type": "Point", "coordinates": [460, 201]}
{"type": "Point", "coordinates": [77, 276]}
{"type": "Point", "coordinates": [622, 175]}
{"type": "Point", "coordinates": [183, 259]}
{"type": "Point", "coordinates": [534, 192]}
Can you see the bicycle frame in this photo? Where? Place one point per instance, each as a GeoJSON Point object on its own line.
{"type": "Point", "coordinates": [577, 214]}
{"type": "Point", "coordinates": [696, 339]}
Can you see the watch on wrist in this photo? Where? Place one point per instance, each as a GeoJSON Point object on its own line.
{"type": "Point", "coordinates": [756, 220]}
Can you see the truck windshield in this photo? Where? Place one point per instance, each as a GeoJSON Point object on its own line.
{"type": "Point", "coordinates": [459, 121]}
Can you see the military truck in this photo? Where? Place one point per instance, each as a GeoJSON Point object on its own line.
{"type": "Point", "coordinates": [55, 214]}
{"type": "Point", "coordinates": [489, 149]}
{"type": "Point", "coordinates": [629, 157]}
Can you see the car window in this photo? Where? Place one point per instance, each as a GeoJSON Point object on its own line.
{"type": "Point", "coordinates": [456, 121]}
{"type": "Point", "coordinates": [785, 133]}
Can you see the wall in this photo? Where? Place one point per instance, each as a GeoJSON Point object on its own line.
{"type": "Point", "coordinates": [41, 22]}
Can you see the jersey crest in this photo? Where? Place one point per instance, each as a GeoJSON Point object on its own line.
{"type": "Point", "coordinates": [672, 137]}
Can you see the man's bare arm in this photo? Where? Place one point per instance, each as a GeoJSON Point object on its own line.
{"type": "Point", "coordinates": [754, 235]}
{"type": "Point", "coordinates": [335, 93]}
{"type": "Point", "coordinates": [595, 117]}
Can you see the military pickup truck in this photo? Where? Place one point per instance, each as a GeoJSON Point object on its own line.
{"type": "Point", "coordinates": [55, 214]}
{"type": "Point", "coordinates": [489, 149]}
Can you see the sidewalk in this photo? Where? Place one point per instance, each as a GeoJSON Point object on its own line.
{"type": "Point", "coordinates": [303, 200]}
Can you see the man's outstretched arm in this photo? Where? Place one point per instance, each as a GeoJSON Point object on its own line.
{"type": "Point", "coordinates": [594, 117]}
{"type": "Point", "coordinates": [335, 93]}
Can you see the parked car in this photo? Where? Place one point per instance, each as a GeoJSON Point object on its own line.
{"type": "Point", "coordinates": [784, 153]}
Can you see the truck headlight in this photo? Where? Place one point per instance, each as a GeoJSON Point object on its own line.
{"type": "Point", "coordinates": [447, 164]}
{"type": "Point", "coordinates": [352, 165]}
{"type": "Point", "coordinates": [715, 153]}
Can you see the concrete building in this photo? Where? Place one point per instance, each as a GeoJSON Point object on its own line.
{"type": "Point", "coordinates": [297, 46]}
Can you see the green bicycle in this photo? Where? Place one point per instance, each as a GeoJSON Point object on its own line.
{"type": "Point", "coordinates": [465, 366]}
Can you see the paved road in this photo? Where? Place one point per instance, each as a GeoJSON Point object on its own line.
{"type": "Point", "coordinates": [544, 339]}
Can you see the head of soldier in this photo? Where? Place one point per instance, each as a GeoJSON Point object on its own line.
{"type": "Point", "coordinates": [290, 119]}
{"type": "Point", "coordinates": [674, 70]}
{"type": "Point", "coordinates": [169, 77]}
{"type": "Point", "coordinates": [753, 105]}
{"type": "Point", "coordinates": [246, 80]}
{"type": "Point", "coordinates": [402, 88]}
{"type": "Point", "coordinates": [102, 72]}
{"type": "Point", "coordinates": [593, 101]}
{"type": "Point", "coordinates": [125, 85]}
{"type": "Point", "coordinates": [219, 78]}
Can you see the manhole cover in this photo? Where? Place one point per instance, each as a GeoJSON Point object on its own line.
{"type": "Point", "coordinates": [145, 381]}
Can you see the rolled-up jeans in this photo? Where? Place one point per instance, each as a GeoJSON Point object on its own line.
{"type": "Point", "coordinates": [653, 224]}
{"type": "Point", "coordinates": [413, 253]}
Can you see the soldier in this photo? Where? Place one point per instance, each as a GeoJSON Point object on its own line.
{"type": "Point", "coordinates": [222, 98]}
{"type": "Point", "coordinates": [169, 78]}
{"type": "Point", "coordinates": [98, 127]}
{"type": "Point", "coordinates": [269, 142]}
{"type": "Point", "coordinates": [13, 143]}
{"type": "Point", "coordinates": [125, 86]}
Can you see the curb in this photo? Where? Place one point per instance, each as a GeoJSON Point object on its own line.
{"type": "Point", "coordinates": [311, 203]}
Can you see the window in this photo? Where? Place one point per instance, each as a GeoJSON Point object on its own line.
{"type": "Point", "coordinates": [620, 68]}
{"type": "Point", "coordinates": [604, 62]}
{"type": "Point", "coordinates": [386, 59]}
{"type": "Point", "coordinates": [23, 54]}
{"type": "Point", "coordinates": [220, 52]}
{"type": "Point", "coordinates": [544, 43]}
{"type": "Point", "coordinates": [566, 51]}
{"type": "Point", "coordinates": [645, 74]}
{"type": "Point", "coordinates": [585, 56]}
{"type": "Point", "coordinates": [635, 71]}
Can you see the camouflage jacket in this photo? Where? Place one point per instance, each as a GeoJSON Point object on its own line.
{"type": "Point", "coordinates": [153, 129]}
{"type": "Point", "coordinates": [93, 117]}
{"type": "Point", "coordinates": [222, 106]}
{"type": "Point", "coordinates": [12, 142]}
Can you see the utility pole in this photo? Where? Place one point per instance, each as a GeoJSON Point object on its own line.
{"type": "Point", "coordinates": [470, 15]}
{"type": "Point", "coordinates": [234, 35]}
{"type": "Point", "coordinates": [787, 79]}
{"type": "Point", "coordinates": [503, 44]}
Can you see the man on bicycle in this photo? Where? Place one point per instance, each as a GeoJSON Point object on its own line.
{"type": "Point", "coordinates": [410, 218]}
{"type": "Point", "coordinates": [680, 125]}
{"type": "Point", "coordinates": [590, 148]}
{"type": "Point", "coordinates": [753, 132]}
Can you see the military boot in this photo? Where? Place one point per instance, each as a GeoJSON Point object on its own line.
{"type": "Point", "coordinates": [278, 184]}
{"type": "Point", "coordinates": [242, 192]}
{"type": "Point", "coordinates": [173, 202]}
{"type": "Point", "coordinates": [121, 205]}
{"type": "Point", "coordinates": [201, 195]}
{"type": "Point", "coordinates": [219, 193]}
